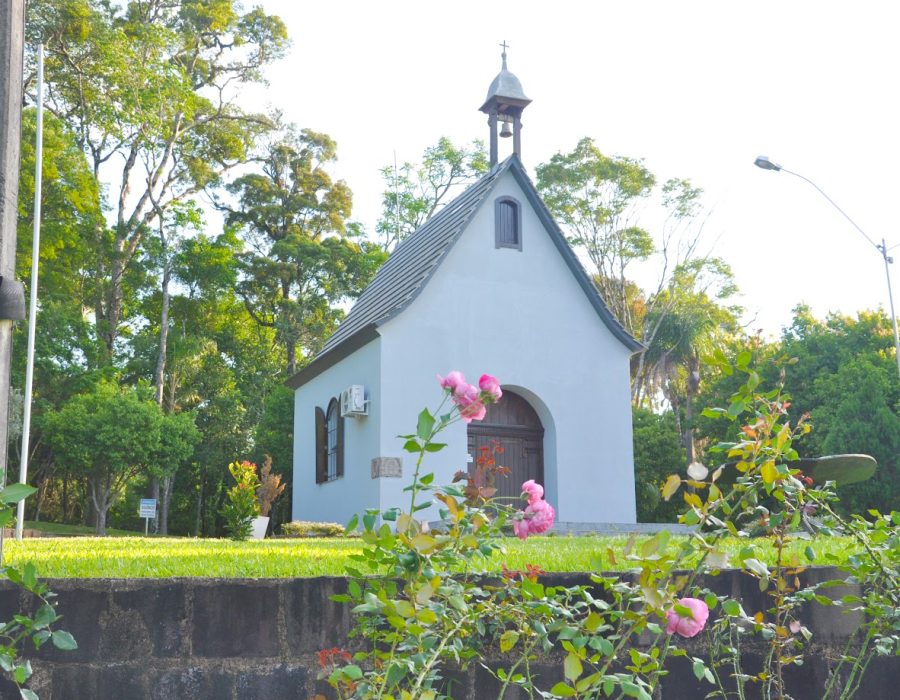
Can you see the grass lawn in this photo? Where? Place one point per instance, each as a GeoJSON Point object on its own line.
{"type": "Point", "coordinates": [60, 529]}
{"type": "Point", "coordinates": [157, 557]}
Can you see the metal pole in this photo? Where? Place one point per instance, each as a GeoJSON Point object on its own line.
{"type": "Point", "coordinates": [32, 309]}
{"type": "Point", "coordinates": [12, 33]}
{"type": "Point", "coordinates": [766, 164]}
{"type": "Point", "coordinates": [887, 272]}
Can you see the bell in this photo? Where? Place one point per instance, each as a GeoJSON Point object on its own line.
{"type": "Point", "coordinates": [505, 131]}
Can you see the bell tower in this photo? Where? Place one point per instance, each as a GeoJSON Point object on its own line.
{"type": "Point", "coordinates": [504, 104]}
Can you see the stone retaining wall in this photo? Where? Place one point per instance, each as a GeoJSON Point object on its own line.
{"type": "Point", "coordinates": [227, 639]}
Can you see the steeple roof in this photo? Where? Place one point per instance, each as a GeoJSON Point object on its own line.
{"type": "Point", "coordinates": [505, 88]}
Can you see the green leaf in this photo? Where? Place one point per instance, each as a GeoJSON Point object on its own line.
{"type": "Point", "coordinates": [351, 526]}
{"type": "Point", "coordinates": [572, 668]}
{"type": "Point", "coordinates": [353, 672]}
{"type": "Point", "coordinates": [63, 640]}
{"type": "Point", "coordinates": [563, 690]}
{"type": "Point", "coordinates": [412, 446]}
{"type": "Point", "coordinates": [28, 694]}
{"type": "Point", "coordinates": [633, 690]}
{"type": "Point", "coordinates": [425, 424]}
{"type": "Point", "coordinates": [508, 640]}
{"type": "Point", "coordinates": [16, 492]}
{"type": "Point", "coordinates": [671, 486]}
{"type": "Point", "coordinates": [699, 669]}
{"type": "Point", "coordinates": [435, 446]}
{"type": "Point", "coordinates": [757, 567]}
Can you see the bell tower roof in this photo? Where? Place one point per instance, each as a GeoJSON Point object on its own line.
{"type": "Point", "coordinates": [505, 90]}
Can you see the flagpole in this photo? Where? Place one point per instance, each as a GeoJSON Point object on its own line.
{"type": "Point", "coordinates": [32, 310]}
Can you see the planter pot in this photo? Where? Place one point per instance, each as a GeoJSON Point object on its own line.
{"type": "Point", "coordinates": [260, 525]}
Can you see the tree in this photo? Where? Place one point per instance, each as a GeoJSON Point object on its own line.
{"type": "Point", "coordinates": [413, 193]}
{"type": "Point", "coordinates": [690, 327]}
{"type": "Point", "coordinates": [148, 88]}
{"type": "Point", "coordinates": [303, 258]}
{"type": "Point", "coordinates": [110, 435]}
{"type": "Point", "coordinates": [598, 200]}
{"type": "Point", "coordinates": [658, 452]}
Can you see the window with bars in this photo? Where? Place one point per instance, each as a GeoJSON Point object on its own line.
{"type": "Point", "coordinates": [508, 223]}
{"type": "Point", "coordinates": [329, 443]}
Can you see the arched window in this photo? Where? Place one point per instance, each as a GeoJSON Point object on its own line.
{"type": "Point", "coordinates": [332, 418]}
{"type": "Point", "coordinates": [508, 223]}
{"type": "Point", "coordinates": [329, 443]}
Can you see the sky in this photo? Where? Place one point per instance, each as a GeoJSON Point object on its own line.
{"type": "Point", "coordinates": [696, 89]}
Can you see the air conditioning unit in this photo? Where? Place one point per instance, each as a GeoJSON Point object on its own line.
{"type": "Point", "coordinates": [354, 402]}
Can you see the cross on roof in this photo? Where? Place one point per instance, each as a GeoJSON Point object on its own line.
{"type": "Point", "coordinates": [503, 55]}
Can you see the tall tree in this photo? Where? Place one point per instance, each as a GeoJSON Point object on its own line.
{"type": "Point", "coordinates": [304, 258]}
{"type": "Point", "coordinates": [149, 88]}
{"type": "Point", "coordinates": [413, 193]}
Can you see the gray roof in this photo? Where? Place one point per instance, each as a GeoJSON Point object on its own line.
{"type": "Point", "coordinates": [407, 270]}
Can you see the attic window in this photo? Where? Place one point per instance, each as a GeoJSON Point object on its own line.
{"type": "Point", "coordinates": [507, 223]}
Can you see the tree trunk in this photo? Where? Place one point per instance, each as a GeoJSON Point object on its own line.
{"type": "Point", "coordinates": [100, 500]}
{"type": "Point", "coordinates": [161, 522]}
{"type": "Point", "coordinates": [154, 494]}
{"type": "Point", "coordinates": [167, 483]}
{"type": "Point", "coordinates": [199, 508]}
{"type": "Point", "coordinates": [65, 497]}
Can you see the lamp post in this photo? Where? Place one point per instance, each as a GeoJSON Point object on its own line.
{"type": "Point", "coordinates": [766, 164]}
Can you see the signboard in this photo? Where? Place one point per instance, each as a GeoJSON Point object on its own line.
{"type": "Point", "coordinates": [148, 508]}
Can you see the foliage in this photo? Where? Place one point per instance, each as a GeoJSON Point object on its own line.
{"type": "Point", "coordinates": [304, 258]}
{"type": "Point", "coordinates": [242, 505]}
{"type": "Point", "coordinates": [658, 452]}
{"type": "Point", "coordinates": [270, 487]}
{"type": "Point", "coordinates": [844, 374]}
{"type": "Point", "coordinates": [22, 628]}
{"type": "Point", "coordinates": [413, 193]}
{"type": "Point", "coordinates": [150, 87]}
{"type": "Point", "coordinates": [304, 528]}
{"type": "Point", "coordinates": [421, 600]}
{"type": "Point", "coordinates": [110, 434]}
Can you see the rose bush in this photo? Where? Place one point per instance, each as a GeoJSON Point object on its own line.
{"type": "Point", "coordinates": [423, 599]}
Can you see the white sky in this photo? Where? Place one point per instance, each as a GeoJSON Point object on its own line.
{"type": "Point", "coordinates": [696, 89]}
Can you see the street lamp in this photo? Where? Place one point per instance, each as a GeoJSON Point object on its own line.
{"type": "Point", "coordinates": [766, 164]}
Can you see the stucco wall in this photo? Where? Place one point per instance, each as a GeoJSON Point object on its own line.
{"type": "Point", "coordinates": [336, 501]}
{"type": "Point", "coordinates": [522, 316]}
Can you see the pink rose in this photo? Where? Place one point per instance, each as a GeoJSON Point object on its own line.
{"type": "Point", "coordinates": [542, 515]}
{"type": "Point", "coordinates": [452, 381]}
{"type": "Point", "coordinates": [520, 527]}
{"type": "Point", "coordinates": [490, 386]}
{"type": "Point", "coordinates": [471, 410]}
{"type": "Point", "coordinates": [534, 490]}
{"type": "Point", "coordinates": [688, 626]}
{"type": "Point", "coordinates": [468, 401]}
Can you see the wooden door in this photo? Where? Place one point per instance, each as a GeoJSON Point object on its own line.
{"type": "Point", "coordinates": [513, 424]}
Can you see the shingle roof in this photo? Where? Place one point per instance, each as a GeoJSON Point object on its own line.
{"type": "Point", "coordinates": [409, 267]}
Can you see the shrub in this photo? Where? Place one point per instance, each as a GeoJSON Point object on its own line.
{"type": "Point", "coordinates": [270, 487]}
{"type": "Point", "coordinates": [305, 528]}
{"type": "Point", "coordinates": [242, 505]}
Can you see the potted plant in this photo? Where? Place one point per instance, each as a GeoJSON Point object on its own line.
{"type": "Point", "coordinates": [270, 488]}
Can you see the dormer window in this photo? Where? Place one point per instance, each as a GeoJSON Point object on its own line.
{"type": "Point", "coordinates": [508, 223]}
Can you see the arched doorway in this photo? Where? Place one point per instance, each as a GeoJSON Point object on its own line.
{"type": "Point", "coordinates": [513, 423]}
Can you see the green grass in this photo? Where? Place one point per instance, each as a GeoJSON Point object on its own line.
{"type": "Point", "coordinates": [60, 529]}
{"type": "Point", "coordinates": [158, 557]}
